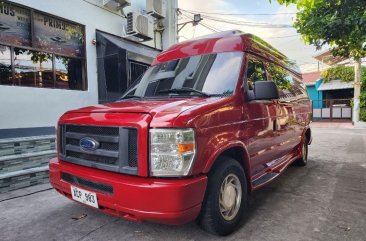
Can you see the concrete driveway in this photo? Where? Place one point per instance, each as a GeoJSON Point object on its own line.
{"type": "Point", "coordinates": [324, 201]}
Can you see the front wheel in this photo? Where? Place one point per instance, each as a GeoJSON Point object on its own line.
{"type": "Point", "coordinates": [225, 199]}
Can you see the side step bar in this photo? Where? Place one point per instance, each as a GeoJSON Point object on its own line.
{"type": "Point", "coordinates": [264, 179]}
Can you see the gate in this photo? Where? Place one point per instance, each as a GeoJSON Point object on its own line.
{"type": "Point", "coordinates": [332, 109]}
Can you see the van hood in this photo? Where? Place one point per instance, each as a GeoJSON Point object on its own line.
{"type": "Point", "coordinates": [163, 111]}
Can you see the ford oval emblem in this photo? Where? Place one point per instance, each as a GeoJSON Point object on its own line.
{"type": "Point", "coordinates": [88, 144]}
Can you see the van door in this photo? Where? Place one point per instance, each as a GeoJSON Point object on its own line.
{"type": "Point", "coordinates": [288, 131]}
{"type": "Point", "coordinates": [260, 121]}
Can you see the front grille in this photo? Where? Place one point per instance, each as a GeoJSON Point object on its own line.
{"type": "Point", "coordinates": [109, 146]}
{"type": "Point", "coordinates": [82, 182]}
{"type": "Point", "coordinates": [96, 130]}
{"type": "Point", "coordinates": [71, 141]}
{"type": "Point", "coordinates": [132, 148]}
{"type": "Point", "coordinates": [115, 148]}
{"type": "Point", "coordinates": [94, 158]}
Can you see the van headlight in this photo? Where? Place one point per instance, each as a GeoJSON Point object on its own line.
{"type": "Point", "coordinates": [172, 151]}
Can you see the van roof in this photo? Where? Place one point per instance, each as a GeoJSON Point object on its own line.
{"type": "Point", "coordinates": [227, 41]}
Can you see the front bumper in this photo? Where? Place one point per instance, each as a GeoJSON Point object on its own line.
{"type": "Point", "coordinates": [168, 201]}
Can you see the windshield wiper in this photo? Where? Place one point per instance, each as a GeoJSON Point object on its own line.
{"type": "Point", "coordinates": [130, 97]}
{"type": "Point", "coordinates": [184, 90]}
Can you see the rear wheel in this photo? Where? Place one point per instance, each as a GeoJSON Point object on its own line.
{"type": "Point", "coordinates": [303, 161]}
{"type": "Point", "coordinates": [225, 199]}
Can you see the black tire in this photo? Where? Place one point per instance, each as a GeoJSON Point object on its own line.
{"type": "Point", "coordinates": [211, 217]}
{"type": "Point", "coordinates": [303, 161]}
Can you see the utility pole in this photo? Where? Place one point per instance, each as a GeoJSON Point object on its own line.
{"type": "Point", "coordinates": [357, 92]}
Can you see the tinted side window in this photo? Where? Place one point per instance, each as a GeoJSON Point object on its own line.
{"type": "Point", "coordinates": [289, 87]}
{"type": "Point", "coordinates": [282, 79]}
{"type": "Point", "coordinates": [299, 89]}
{"type": "Point", "coordinates": [255, 72]}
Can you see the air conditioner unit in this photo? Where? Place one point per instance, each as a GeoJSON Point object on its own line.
{"type": "Point", "coordinates": [156, 8]}
{"type": "Point", "coordinates": [114, 4]}
{"type": "Point", "coordinates": [140, 26]}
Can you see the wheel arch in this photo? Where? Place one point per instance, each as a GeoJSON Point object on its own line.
{"type": "Point", "coordinates": [237, 152]}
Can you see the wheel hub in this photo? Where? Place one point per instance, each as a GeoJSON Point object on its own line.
{"type": "Point", "coordinates": [230, 197]}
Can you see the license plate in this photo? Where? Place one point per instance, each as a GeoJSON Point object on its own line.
{"type": "Point", "coordinates": [83, 196]}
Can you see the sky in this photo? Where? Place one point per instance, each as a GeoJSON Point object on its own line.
{"type": "Point", "coordinates": [287, 40]}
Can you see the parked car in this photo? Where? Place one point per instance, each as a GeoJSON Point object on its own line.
{"type": "Point", "coordinates": [210, 122]}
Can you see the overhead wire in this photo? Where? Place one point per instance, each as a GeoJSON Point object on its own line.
{"type": "Point", "coordinates": [215, 29]}
{"type": "Point", "coordinates": [254, 14]}
{"type": "Point", "coordinates": [239, 22]}
{"type": "Point", "coordinates": [210, 27]}
{"type": "Point", "coordinates": [235, 14]}
{"type": "Point", "coordinates": [247, 23]}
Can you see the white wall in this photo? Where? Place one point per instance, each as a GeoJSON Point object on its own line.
{"type": "Point", "coordinates": [23, 107]}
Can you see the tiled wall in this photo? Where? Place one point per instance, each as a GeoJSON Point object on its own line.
{"type": "Point", "coordinates": [25, 145]}
{"type": "Point", "coordinates": [24, 161]}
{"type": "Point", "coordinates": [13, 183]}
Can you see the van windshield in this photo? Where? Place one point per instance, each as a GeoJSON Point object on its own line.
{"type": "Point", "coordinates": [202, 75]}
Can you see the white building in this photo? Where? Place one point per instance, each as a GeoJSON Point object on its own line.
{"type": "Point", "coordinates": [64, 54]}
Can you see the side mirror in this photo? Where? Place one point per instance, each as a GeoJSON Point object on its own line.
{"type": "Point", "coordinates": [264, 90]}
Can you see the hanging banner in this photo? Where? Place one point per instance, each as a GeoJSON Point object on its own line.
{"type": "Point", "coordinates": [58, 36]}
{"type": "Point", "coordinates": [14, 25]}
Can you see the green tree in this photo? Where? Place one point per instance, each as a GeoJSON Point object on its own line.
{"type": "Point", "coordinates": [338, 23]}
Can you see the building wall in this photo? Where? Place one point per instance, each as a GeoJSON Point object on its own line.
{"type": "Point", "coordinates": [25, 107]}
{"type": "Point", "coordinates": [315, 96]}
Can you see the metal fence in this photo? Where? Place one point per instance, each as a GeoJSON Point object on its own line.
{"type": "Point", "coordinates": [332, 109]}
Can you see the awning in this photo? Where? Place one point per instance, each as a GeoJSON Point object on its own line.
{"type": "Point", "coordinates": [135, 51]}
{"type": "Point", "coordinates": [335, 85]}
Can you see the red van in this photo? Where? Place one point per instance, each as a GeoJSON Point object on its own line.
{"type": "Point", "coordinates": [211, 121]}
